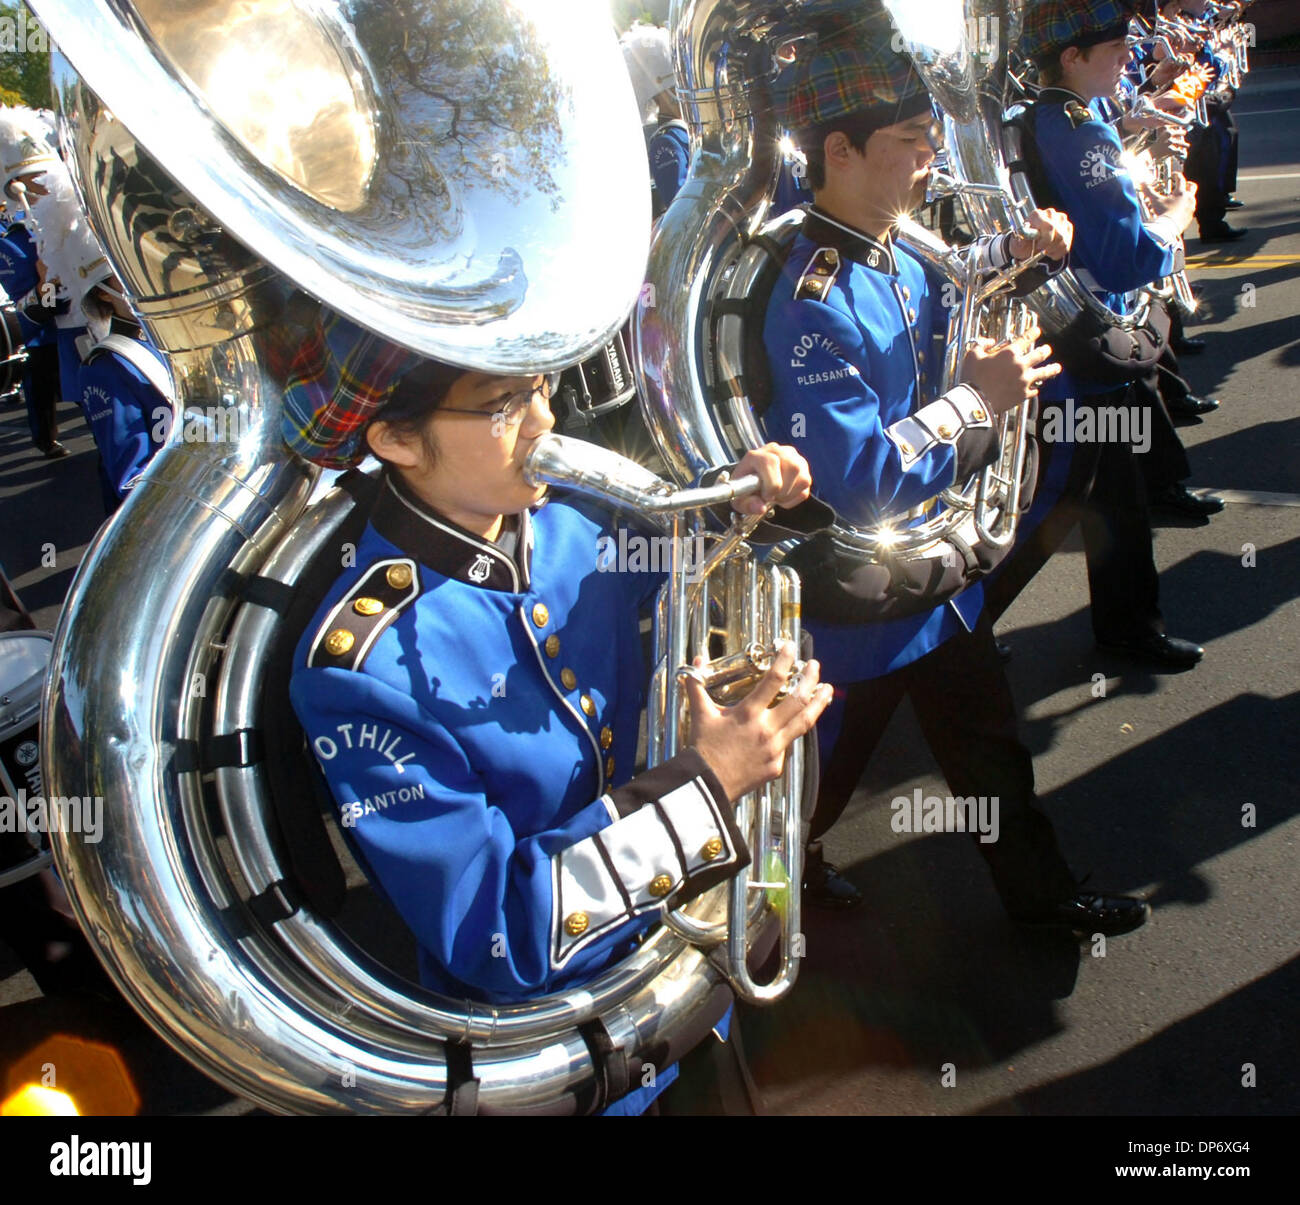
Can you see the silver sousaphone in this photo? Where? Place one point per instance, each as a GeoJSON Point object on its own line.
{"type": "Point", "coordinates": [467, 178]}
{"type": "Point", "coordinates": [715, 243]}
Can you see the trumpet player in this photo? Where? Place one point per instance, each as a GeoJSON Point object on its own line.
{"type": "Point", "coordinates": [853, 366]}
{"type": "Point", "coordinates": [1212, 162]}
{"type": "Point", "coordinates": [1081, 49]}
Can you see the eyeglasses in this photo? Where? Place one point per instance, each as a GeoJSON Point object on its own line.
{"type": "Point", "coordinates": [511, 411]}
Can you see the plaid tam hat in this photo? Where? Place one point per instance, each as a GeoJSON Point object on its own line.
{"type": "Point", "coordinates": [856, 71]}
{"type": "Point", "coordinates": [1051, 26]}
{"type": "Point", "coordinates": [341, 378]}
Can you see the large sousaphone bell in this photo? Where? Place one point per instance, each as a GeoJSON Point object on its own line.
{"type": "Point", "coordinates": [467, 178]}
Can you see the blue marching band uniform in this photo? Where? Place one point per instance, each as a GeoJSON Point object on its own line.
{"type": "Point", "coordinates": [476, 713]}
{"type": "Point", "coordinates": [475, 705]}
{"type": "Point", "coordinates": [101, 360]}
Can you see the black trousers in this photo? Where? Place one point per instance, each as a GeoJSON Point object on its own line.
{"type": "Point", "coordinates": [1106, 494]}
{"type": "Point", "coordinates": [1212, 165]}
{"type": "Point", "coordinates": [963, 701]}
{"type": "Point", "coordinates": [1165, 461]}
{"type": "Point", "coordinates": [41, 393]}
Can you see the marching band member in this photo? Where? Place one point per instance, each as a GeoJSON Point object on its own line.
{"type": "Point", "coordinates": [25, 153]}
{"type": "Point", "coordinates": [1212, 163]}
{"type": "Point", "coordinates": [1081, 50]}
{"type": "Point", "coordinates": [848, 340]}
{"type": "Point", "coordinates": [649, 61]}
{"type": "Point", "coordinates": [126, 390]}
{"type": "Point", "coordinates": [472, 687]}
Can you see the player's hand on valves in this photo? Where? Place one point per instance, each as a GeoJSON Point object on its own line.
{"type": "Point", "coordinates": [745, 743]}
{"type": "Point", "coordinates": [784, 478]}
{"type": "Point", "coordinates": [1179, 206]}
{"type": "Point", "coordinates": [1053, 235]}
{"type": "Point", "coordinates": [1007, 374]}
{"type": "Point", "coordinates": [1171, 141]}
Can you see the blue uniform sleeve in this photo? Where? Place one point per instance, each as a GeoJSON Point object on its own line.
{"type": "Point", "coordinates": [501, 912]}
{"type": "Point", "coordinates": [826, 406]}
{"type": "Point", "coordinates": [1113, 240]}
{"type": "Point", "coordinates": [128, 418]}
{"type": "Point", "coordinates": [670, 160]}
{"type": "Point", "coordinates": [17, 269]}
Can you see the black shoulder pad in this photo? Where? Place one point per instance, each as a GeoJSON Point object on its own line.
{"type": "Point", "coordinates": [819, 275]}
{"type": "Point", "coordinates": [352, 628]}
{"type": "Point", "coordinates": [1078, 114]}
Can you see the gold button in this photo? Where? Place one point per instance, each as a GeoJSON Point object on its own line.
{"type": "Point", "coordinates": [587, 705]}
{"type": "Point", "coordinates": [609, 767]}
{"type": "Point", "coordinates": [606, 737]}
{"type": "Point", "coordinates": [367, 606]}
{"type": "Point", "coordinates": [541, 616]}
{"type": "Point", "coordinates": [815, 286]}
{"type": "Point", "coordinates": [660, 886]}
{"type": "Point", "coordinates": [552, 646]}
{"type": "Point", "coordinates": [920, 357]}
{"type": "Point", "coordinates": [339, 641]}
{"type": "Point", "coordinates": [712, 849]}
{"type": "Point", "coordinates": [978, 415]}
{"type": "Point", "coordinates": [569, 678]}
{"type": "Point", "coordinates": [905, 448]}
{"type": "Point", "coordinates": [576, 924]}
{"type": "Point", "coordinates": [907, 293]}
{"type": "Point", "coordinates": [911, 315]}
{"type": "Point", "coordinates": [399, 576]}
{"type": "Point", "coordinates": [945, 431]}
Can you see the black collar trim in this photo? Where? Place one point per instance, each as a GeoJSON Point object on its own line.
{"type": "Point", "coordinates": [1059, 96]}
{"type": "Point", "coordinates": [827, 231]}
{"type": "Point", "coordinates": [447, 548]}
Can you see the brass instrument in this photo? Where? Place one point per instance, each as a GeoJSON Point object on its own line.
{"type": "Point", "coordinates": [242, 163]}
{"type": "Point", "coordinates": [712, 250]}
{"type": "Point", "coordinates": [721, 604]}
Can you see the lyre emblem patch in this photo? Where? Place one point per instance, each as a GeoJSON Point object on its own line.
{"type": "Point", "coordinates": [873, 260]}
{"type": "Point", "coordinates": [479, 570]}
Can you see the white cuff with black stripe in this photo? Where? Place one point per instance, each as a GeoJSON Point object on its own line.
{"type": "Point", "coordinates": [959, 419]}
{"type": "Point", "coordinates": [671, 849]}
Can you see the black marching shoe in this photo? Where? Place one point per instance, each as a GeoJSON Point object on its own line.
{"type": "Point", "coordinates": [826, 888]}
{"type": "Point", "coordinates": [55, 451]}
{"type": "Point", "coordinates": [1164, 652]}
{"type": "Point", "coordinates": [1088, 913]}
{"type": "Point", "coordinates": [1221, 232]}
{"type": "Point", "coordinates": [1178, 500]}
{"type": "Point", "coordinates": [1192, 406]}
{"type": "Point", "coordinates": [1189, 347]}
{"type": "Point", "coordinates": [1233, 203]}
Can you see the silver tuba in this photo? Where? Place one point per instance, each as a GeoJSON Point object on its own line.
{"type": "Point", "coordinates": [428, 168]}
{"type": "Point", "coordinates": [714, 246]}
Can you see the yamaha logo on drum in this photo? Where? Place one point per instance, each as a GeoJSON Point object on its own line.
{"type": "Point", "coordinates": [27, 753]}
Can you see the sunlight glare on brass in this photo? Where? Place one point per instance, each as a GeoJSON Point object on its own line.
{"type": "Point", "coordinates": [276, 79]}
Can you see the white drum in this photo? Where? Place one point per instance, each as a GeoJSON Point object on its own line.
{"type": "Point", "coordinates": [24, 660]}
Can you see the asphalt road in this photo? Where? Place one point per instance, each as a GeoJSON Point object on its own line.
{"type": "Point", "coordinates": [927, 1001]}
